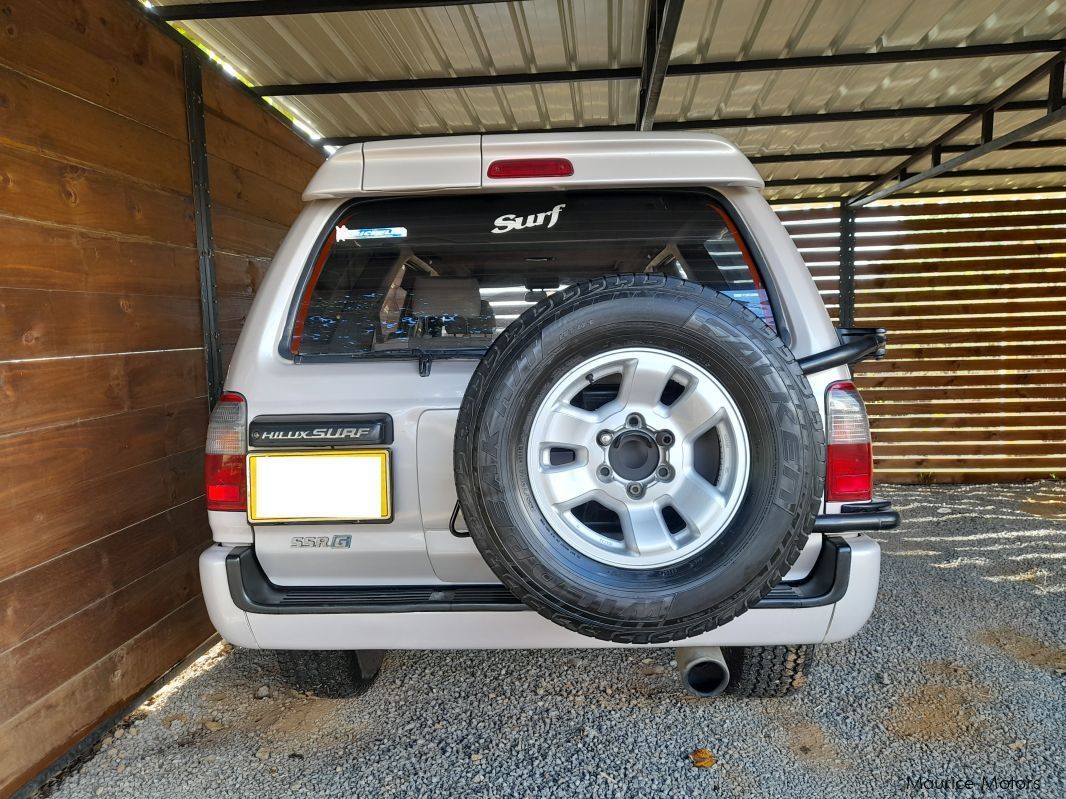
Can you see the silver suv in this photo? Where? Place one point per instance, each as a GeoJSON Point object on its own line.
{"type": "Point", "coordinates": [554, 390]}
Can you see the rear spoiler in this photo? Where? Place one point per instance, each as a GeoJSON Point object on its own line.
{"type": "Point", "coordinates": [856, 344]}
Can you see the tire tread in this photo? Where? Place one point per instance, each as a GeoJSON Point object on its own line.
{"type": "Point", "coordinates": [766, 672]}
{"type": "Point", "coordinates": [329, 674]}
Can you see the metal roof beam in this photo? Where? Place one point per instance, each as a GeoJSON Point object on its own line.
{"type": "Point", "coordinates": [865, 115]}
{"type": "Point", "coordinates": [464, 82]}
{"type": "Point", "coordinates": [633, 73]}
{"type": "Point", "coordinates": [870, 59]}
{"type": "Point", "coordinates": [828, 180]}
{"type": "Point", "coordinates": [894, 152]}
{"type": "Point", "coordinates": [663, 18]}
{"type": "Point", "coordinates": [276, 8]}
{"type": "Point", "coordinates": [983, 115]}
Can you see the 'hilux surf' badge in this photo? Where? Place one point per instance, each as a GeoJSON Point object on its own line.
{"type": "Point", "coordinates": [329, 430]}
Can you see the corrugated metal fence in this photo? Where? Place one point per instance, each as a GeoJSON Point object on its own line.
{"type": "Point", "coordinates": [973, 293]}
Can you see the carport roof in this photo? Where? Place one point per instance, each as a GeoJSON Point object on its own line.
{"type": "Point", "coordinates": [855, 88]}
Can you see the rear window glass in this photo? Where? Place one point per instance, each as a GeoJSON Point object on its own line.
{"type": "Point", "coordinates": [446, 274]}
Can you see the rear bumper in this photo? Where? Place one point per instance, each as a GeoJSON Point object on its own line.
{"type": "Point", "coordinates": [830, 605]}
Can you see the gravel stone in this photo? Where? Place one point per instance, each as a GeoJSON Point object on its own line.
{"type": "Point", "coordinates": [958, 676]}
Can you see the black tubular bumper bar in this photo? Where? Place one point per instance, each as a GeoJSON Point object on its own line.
{"type": "Point", "coordinates": [856, 344]}
{"type": "Point", "coordinates": [252, 591]}
{"type": "Point", "coordinates": [856, 522]}
{"type": "Point", "coordinates": [858, 517]}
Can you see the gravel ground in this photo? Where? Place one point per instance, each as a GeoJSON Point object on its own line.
{"type": "Point", "coordinates": [959, 676]}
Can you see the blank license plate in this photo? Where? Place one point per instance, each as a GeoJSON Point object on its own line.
{"type": "Point", "coordinates": [319, 486]}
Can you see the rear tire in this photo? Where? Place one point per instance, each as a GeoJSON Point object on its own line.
{"type": "Point", "coordinates": [330, 674]}
{"type": "Point", "coordinates": [765, 672]}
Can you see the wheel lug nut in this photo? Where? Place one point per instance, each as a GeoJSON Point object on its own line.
{"type": "Point", "coordinates": [664, 473]}
{"type": "Point", "coordinates": [664, 438]}
{"type": "Point", "coordinates": [634, 420]}
{"type": "Point", "coordinates": [605, 437]}
{"type": "Point", "coordinates": [635, 490]}
{"type": "Point", "coordinates": [605, 472]}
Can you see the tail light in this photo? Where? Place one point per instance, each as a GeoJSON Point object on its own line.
{"type": "Point", "coordinates": [849, 461]}
{"type": "Point", "coordinates": [224, 460]}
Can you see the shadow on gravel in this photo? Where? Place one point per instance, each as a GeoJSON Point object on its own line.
{"type": "Point", "coordinates": [959, 674]}
{"type": "Point", "coordinates": [1004, 533]}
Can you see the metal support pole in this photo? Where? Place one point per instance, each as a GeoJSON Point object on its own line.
{"type": "Point", "coordinates": [663, 19]}
{"type": "Point", "coordinates": [1054, 93]}
{"type": "Point", "coordinates": [846, 278]}
{"type": "Point", "coordinates": [988, 123]}
{"type": "Point", "coordinates": [201, 201]}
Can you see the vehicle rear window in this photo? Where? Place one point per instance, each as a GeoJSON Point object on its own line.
{"type": "Point", "coordinates": [440, 274]}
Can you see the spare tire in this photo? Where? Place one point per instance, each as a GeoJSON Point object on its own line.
{"type": "Point", "coordinates": [639, 459]}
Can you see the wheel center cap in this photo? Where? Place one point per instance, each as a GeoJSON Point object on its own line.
{"type": "Point", "coordinates": [634, 455]}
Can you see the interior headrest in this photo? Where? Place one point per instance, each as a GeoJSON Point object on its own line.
{"type": "Point", "coordinates": [446, 296]}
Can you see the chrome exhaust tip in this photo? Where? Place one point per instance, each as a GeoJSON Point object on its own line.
{"type": "Point", "coordinates": [703, 670]}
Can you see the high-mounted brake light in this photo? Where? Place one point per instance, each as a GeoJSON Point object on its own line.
{"type": "Point", "coordinates": [224, 477]}
{"type": "Point", "coordinates": [849, 461]}
{"type": "Point", "coordinates": [531, 168]}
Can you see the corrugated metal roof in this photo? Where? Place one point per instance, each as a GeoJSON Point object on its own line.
{"type": "Point", "coordinates": [548, 35]}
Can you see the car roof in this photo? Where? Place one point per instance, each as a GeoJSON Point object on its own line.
{"type": "Point", "coordinates": [460, 163]}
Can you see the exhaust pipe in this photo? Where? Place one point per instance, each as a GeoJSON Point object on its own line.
{"type": "Point", "coordinates": [703, 670]}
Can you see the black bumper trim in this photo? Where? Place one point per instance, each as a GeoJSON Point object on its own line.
{"type": "Point", "coordinates": [252, 591]}
{"type": "Point", "coordinates": [826, 584]}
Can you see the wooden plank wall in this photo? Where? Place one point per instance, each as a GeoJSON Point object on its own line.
{"type": "Point", "coordinates": [973, 294]}
{"type": "Point", "coordinates": [103, 400]}
{"type": "Point", "coordinates": [258, 171]}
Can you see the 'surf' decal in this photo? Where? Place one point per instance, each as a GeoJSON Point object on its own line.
{"type": "Point", "coordinates": [509, 222]}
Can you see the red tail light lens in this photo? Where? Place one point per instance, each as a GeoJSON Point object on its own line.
{"type": "Point", "coordinates": [531, 168]}
{"type": "Point", "coordinates": [849, 457]}
{"type": "Point", "coordinates": [224, 477]}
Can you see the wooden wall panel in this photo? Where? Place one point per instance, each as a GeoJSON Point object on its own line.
{"type": "Point", "coordinates": [972, 294]}
{"type": "Point", "coordinates": [258, 171]}
{"type": "Point", "coordinates": [41, 732]}
{"type": "Point", "coordinates": [51, 525]}
{"type": "Point", "coordinates": [42, 256]}
{"type": "Point", "coordinates": [50, 189]}
{"type": "Point", "coordinates": [36, 116]}
{"type": "Point", "coordinates": [103, 392]}
{"type": "Point", "coordinates": [95, 50]}
{"type": "Point", "coordinates": [38, 599]}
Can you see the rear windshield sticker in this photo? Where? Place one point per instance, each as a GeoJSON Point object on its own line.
{"type": "Point", "coordinates": [509, 222]}
{"type": "Point", "coordinates": [346, 234]}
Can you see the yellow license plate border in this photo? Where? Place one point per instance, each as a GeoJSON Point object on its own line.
{"type": "Point", "coordinates": [385, 456]}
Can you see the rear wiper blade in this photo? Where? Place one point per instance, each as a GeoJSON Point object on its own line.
{"type": "Point", "coordinates": [426, 357]}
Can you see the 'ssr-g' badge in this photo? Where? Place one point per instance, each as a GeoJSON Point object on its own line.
{"type": "Point", "coordinates": [321, 542]}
